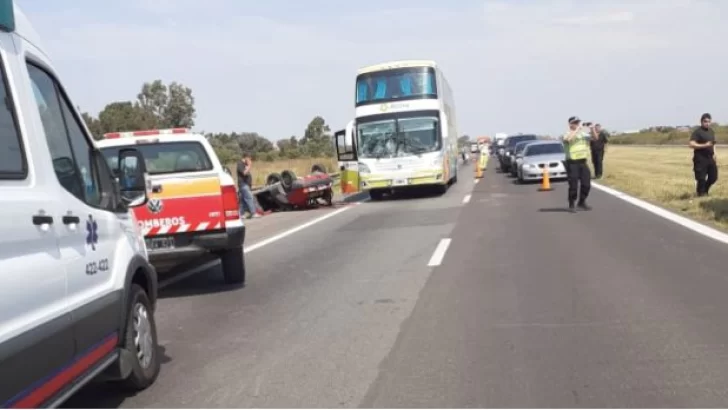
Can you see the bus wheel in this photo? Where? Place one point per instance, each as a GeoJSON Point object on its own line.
{"type": "Point", "coordinates": [376, 195]}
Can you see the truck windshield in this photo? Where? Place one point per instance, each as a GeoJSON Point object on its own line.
{"type": "Point", "coordinates": [396, 84]}
{"type": "Point", "coordinates": [398, 137]}
{"type": "Point", "coordinates": [165, 157]}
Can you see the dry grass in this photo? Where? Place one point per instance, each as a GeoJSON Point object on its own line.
{"type": "Point", "coordinates": [300, 167]}
{"type": "Point", "coordinates": [664, 176]}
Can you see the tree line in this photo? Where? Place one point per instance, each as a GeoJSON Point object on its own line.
{"type": "Point", "coordinates": [159, 105]}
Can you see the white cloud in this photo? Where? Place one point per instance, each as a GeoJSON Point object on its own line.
{"type": "Point", "coordinates": [514, 66]}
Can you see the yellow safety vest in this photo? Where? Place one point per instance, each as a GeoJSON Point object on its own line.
{"type": "Point", "coordinates": [578, 148]}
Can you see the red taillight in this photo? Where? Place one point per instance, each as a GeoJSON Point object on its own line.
{"type": "Point", "coordinates": [230, 204]}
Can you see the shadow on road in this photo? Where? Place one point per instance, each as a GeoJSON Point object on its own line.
{"type": "Point", "coordinates": [554, 210]}
{"type": "Point", "coordinates": [718, 207]}
{"type": "Point", "coordinates": [100, 395]}
{"type": "Point", "coordinates": [202, 282]}
{"type": "Point", "coordinates": [412, 193]}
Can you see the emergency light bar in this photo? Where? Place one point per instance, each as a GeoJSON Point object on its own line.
{"type": "Point", "coordinates": [145, 133]}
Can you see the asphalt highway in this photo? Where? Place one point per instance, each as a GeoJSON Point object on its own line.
{"type": "Point", "coordinates": [488, 296]}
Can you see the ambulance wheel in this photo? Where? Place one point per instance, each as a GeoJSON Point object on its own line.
{"type": "Point", "coordinates": [233, 266]}
{"type": "Point", "coordinates": [272, 179]}
{"type": "Point", "coordinates": [287, 179]}
{"type": "Point", "coordinates": [140, 339]}
{"type": "Point", "coordinates": [318, 168]}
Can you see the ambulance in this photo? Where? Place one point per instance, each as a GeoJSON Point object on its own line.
{"type": "Point", "coordinates": [77, 293]}
{"type": "Point", "coordinates": [193, 208]}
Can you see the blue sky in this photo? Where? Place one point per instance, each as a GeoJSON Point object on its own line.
{"type": "Point", "coordinates": [514, 66]}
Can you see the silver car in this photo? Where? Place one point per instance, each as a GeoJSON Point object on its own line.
{"type": "Point", "coordinates": [539, 155]}
{"type": "Point", "coordinates": [518, 156]}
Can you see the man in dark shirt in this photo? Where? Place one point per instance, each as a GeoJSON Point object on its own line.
{"type": "Point", "coordinates": [598, 146]}
{"type": "Point", "coordinates": [702, 141]}
{"type": "Point", "coordinates": [245, 181]}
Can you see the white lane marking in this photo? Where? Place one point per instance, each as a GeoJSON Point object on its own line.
{"type": "Point", "coordinates": [184, 275]}
{"type": "Point", "coordinates": [439, 253]}
{"type": "Point", "coordinates": [475, 181]}
{"type": "Point", "coordinates": [298, 228]}
{"type": "Point", "coordinates": [467, 198]}
{"type": "Point", "coordinates": [663, 213]}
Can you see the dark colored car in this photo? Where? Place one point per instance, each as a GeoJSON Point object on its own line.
{"type": "Point", "coordinates": [508, 156]}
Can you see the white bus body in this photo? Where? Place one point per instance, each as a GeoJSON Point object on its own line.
{"type": "Point", "coordinates": [405, 131]}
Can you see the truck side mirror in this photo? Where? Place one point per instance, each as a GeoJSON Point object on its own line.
{"type": "Point", "coordinates": [132, 173]}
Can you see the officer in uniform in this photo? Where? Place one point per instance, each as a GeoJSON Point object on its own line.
{"type": "Point", "coordinates": [576, 144]}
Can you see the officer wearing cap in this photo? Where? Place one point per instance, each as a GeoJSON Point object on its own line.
{"type": "Point", "coordinates": [576, 144]}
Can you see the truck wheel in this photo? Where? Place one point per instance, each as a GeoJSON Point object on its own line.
{"type": "Point", "coordinates": [318, 168]}
{"type": "Point", "coordinates": [273, 178]}
{"type": "Point", "coordinates": [233, 266]}
{"type": "Point", "coordinates": [141, 341]}
{"type": "Point", "coordinates": [287, 179]}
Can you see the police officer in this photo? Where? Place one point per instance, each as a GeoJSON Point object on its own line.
{"type": "Point", "coordinates": [702, 141]}
{"type": "Point", "coordinates": [576, 144]}
{"type": "Point", "coordinates": [598, 146]}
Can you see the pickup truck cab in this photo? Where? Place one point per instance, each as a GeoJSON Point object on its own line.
{"type": "Point", "coordinates": [193, 208]}
{"type": "Point", "coordinates": [77, 294]}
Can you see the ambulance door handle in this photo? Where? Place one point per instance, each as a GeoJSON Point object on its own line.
{"type": "Point", "coordinates": [71, 220]}
{"type": "Point", "coordinates": [156, 188]}
{"type": "Point", "coordinates": [40, 220]}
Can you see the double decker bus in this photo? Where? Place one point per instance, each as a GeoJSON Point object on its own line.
{"type": "Point", "coordinates": [404, 131]}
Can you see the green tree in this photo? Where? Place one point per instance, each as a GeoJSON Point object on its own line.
{"type": "Point", "coordinates": [124, 116]}
{"type": "Point", "coordinates": [171, 106]}
{"type": "Point", "coordinates": [93, 124]}
{"type": "Point", "coordinates": [317, 140]}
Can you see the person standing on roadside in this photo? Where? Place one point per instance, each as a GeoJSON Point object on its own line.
{"type": "Point", "coordinates": [576, 144]}
{"type": "Point", "coordinates": [702, 141]}
{"type": "Point", "coordinates": [598, 147]}
{"type": "Point", "coordinates": [245, 182]}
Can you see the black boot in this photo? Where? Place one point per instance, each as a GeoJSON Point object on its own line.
{"type": "Point", "coordinates": [584, 206]}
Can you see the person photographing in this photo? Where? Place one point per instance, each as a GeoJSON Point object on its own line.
{"type": "Point", "coordinates": [705, 167]}
{"type": "Point", "coordinates": [576, 144]}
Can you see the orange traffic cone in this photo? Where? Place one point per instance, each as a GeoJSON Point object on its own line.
{"type": "Point", "coordinates": [545, 181]}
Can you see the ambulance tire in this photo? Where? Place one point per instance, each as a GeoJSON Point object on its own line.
{"type": "Point", "coordinates": [318, 168]}
{"type": "Point", "coordinates": [272, 179]}
{"type": "Point", "coordinates": [140, 377]}
{"type": "Point", "coordinates": [233, 266]}
{"type": "Point", "coordinates": [287, 179]}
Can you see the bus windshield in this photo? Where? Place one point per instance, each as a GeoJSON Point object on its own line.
{"type": "Point", "coordinates": [395, 85]}
{"type": "Point", "coordinates": [398, 137]}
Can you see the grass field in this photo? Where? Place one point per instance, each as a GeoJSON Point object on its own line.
{"type": "Point", "coordinates": [664, 176]}
{"type": "Point", "coordinates": [300, 167]}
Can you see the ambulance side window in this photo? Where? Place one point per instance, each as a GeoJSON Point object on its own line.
{"type": "Point", "coordinates": [73, 156]}
{"type": "Point", "coordinates": [13, 164]}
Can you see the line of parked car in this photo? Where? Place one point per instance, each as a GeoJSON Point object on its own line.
{"type": "Point", "coordinates": [525, 156]}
